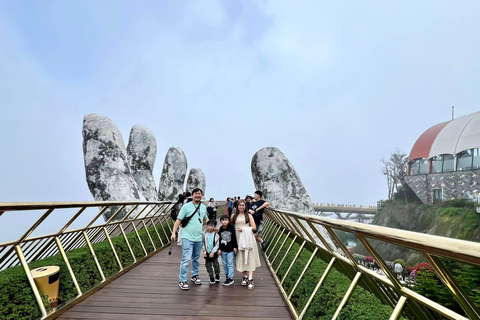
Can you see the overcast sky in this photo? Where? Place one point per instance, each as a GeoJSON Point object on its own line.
{"type": "Point", "coordinates": [336, 86]}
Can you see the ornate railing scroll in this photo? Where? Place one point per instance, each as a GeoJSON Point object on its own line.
{"type": "Point", "coordinates": [137, 216]}
{"type": "Point", "coordinates": [303, 230]}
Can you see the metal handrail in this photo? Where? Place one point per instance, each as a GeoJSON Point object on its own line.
{"type": "Point", "coordinates": [389, 289]}
{"type": "Point", "coordinates": [138, 215]}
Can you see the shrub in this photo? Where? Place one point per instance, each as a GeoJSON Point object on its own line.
{"type": "Point", "coordinates": [362, 304]}
{"type": "Point", "coordinates": [16, 297]}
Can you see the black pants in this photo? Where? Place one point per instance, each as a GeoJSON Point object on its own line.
{"type": "Point", "coordinates": [212, 265]}
{"type": "Point", "coordinates": [212, 216]}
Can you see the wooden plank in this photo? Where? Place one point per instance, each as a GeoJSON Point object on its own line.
{"type": "Point", "coordinates": [93, 316]}
{"type": "Point", "coordinates": [150, 291]}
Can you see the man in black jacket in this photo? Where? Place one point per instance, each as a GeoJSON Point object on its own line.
{"type": "Point", "coordinates": [257, 207]}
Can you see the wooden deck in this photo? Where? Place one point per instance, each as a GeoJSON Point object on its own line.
{"type": "Point", "coordinates": [150, 291]}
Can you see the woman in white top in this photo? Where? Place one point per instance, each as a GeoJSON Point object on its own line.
{"type": "Point", "coordinates": [242, 219]}
{"type": "Point", "coordinates": [212, 209]}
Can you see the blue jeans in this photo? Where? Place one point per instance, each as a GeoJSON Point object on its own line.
{"type": "Point", "coordinates": [227, 259]}
{"type": "Point", "coordinates": [190, 252]}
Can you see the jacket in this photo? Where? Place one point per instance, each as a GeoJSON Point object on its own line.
{"type": "Point", "coordinates": [216, 245]}
{"type": "Point", "coordinates": [245, 241]}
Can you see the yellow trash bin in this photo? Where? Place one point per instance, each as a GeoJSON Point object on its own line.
{"type": "Point", "coordinates": [47, 280]}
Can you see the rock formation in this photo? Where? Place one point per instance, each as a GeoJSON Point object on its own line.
{"type": "Point", "coordinates": [173, 175]}
{"type": "Point", "coordinates": [276, 177]}
{"type": "Point", "coordinates": [142, 152]}
{"type": "Point", "coordinates": [196, 179]}
{"type": "Point", "coordinates": [106, 165]}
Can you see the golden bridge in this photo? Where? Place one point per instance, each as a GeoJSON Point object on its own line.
{"type": "Point", "coordinates": [121, 269]}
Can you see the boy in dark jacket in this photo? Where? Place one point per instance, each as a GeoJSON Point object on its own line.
{"type": "Point", "coordinates": [228, 247]}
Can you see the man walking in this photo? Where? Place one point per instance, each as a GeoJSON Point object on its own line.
{"type": "Point", "coordinates": [195, 213]}
{"type": "Point", "coordinates": [257, 207]}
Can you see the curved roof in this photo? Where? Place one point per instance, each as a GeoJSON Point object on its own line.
{"type": "Point", "coordinates": [448, 137]}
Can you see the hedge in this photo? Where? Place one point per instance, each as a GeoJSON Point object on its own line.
{"type": "Point", "coordinates": [362, 305]}
{"type": "Point", "coordinates": [16, 297]}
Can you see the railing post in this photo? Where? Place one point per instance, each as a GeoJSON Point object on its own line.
{"type": "Point", "coordinates": [276, 242]}
{"type": "Point", "coordinates": [164, 232]}
{"type": "Point", "coordinates": [113, 248]}
{"type": "Point", "coordinates": [94, 255]}
{"type": "Point", "coordinates": [139, 239]}
{"type": "Point", "coordinates": [293, 262]}
{"type": "Point", "coordinates": [286, 254]}
{"type": "Point", "coordinates": [348, 294]}
{"type": "Point", "coordinates": [397, 312]}
{"type": "Point", "coordinates": [30, 280]}
{"type": "Point", "coordinates": [268, 226]}
{"type": "Point", "coordinates": [380, 262]}
{"type": "Point", "coordinates": [281, 246]}
{"type": "Point", "coordinates": [457, 291]}
{"type": "Point", "coordinates": [156, 231]}
{"type": "Point", "coordinates": [150, 237]}
{"type": "Point", "coordinates": [69, 267]}
{"type": "Point", "coordinates": [324, 276]}
{"type": "Point", "coordinates": [128, 243]}
{"type": "Point", "coordinates": [303, 272]}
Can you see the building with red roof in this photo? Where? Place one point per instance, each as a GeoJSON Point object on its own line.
{"type": "Point", "coordinates": [445, 161]}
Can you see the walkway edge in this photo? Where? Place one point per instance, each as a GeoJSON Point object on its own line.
{"type": "Point", "coordinates": [87, 294]}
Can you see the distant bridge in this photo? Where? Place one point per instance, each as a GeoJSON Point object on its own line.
{"type": "Point", "coordinates": [346, 212]}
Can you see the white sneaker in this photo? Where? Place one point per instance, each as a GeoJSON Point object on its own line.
{"type": "Point", "coordinates": [183, 285]}
{"type": "Point", "coordinates": [196, 280]}
{"type": "Point", "coordinates": [251, 285]}
{"type": "Point", "coordinates": [244, 281]}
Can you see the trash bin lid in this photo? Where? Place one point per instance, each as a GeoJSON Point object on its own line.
{"type": "Point", "coordinates": [44, 271]}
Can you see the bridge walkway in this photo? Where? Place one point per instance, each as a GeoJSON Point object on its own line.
{"type": "Point", "coordinates": [150, 291]}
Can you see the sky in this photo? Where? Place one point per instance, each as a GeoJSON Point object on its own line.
{"type": "Point", "coordinates": [336, 86]}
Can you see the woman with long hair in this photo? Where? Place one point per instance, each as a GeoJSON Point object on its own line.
{"type": "Point", "coordinates": [246, 262]}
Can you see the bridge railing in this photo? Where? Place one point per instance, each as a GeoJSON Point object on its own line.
{"type": "Point", "coordinates": [144, 224]}
{"type": "Point", "coordinates": [284, 229]}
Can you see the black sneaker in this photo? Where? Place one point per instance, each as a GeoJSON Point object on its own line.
{"type": "Point", "coordinates": [228, 282]}
{"type": "Point", "coordinates": [196, 280]}
{"type": "Point", "coordinates": [217, 278]}
{"type": "Point", "coordinates": [183, 285]}
{"type": "Point", "coordinates": [212, 280]}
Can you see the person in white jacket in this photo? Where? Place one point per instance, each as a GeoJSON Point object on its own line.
{"type": "Point", "coordinates": [247, 259]}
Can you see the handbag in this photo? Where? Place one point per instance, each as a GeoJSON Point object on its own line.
{"type": "Point", "coordinates": [186, 220]}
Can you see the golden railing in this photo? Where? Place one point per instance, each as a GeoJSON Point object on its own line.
{"type": "Point", "coordinates": [136, 216]}
{"type": "Point", "coordinates": [303, 229]}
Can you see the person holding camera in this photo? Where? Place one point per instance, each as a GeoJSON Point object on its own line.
{"type": "Point", "coordinates": [192, 216]}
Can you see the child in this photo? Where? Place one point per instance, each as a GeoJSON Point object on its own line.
{"type": "Point", "coordinates": [228, 248]}
{"type": "Point", "coordinates": [210, 248]}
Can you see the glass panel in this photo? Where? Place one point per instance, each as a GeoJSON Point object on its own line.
{"type": "Point", "coordinates": [476, 159]}
{"type": "Point", "coordinates": [448, 163]}
{"type": "Point", "coordinates": [414, 167]}
{"type": "Point", "coordinates": [464, 160]}
{"type": "Point", "coordinates": [437, 164]}
{"type": "Point", "coordinates": [423, 166]}
{"type": "Point", "coordinates": [437, 195]}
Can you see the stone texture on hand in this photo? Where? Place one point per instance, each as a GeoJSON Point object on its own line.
{"type": "Point", "coordinates": [196, 179]}
{"type": "Point", "coordinates": [142, 152]}
{"type": "Point", "coordinates": [282, 187]}
{"type": "Point", "coordinates": [106, 165]}
{"type": "Point", "coordinates": [173, 175]}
